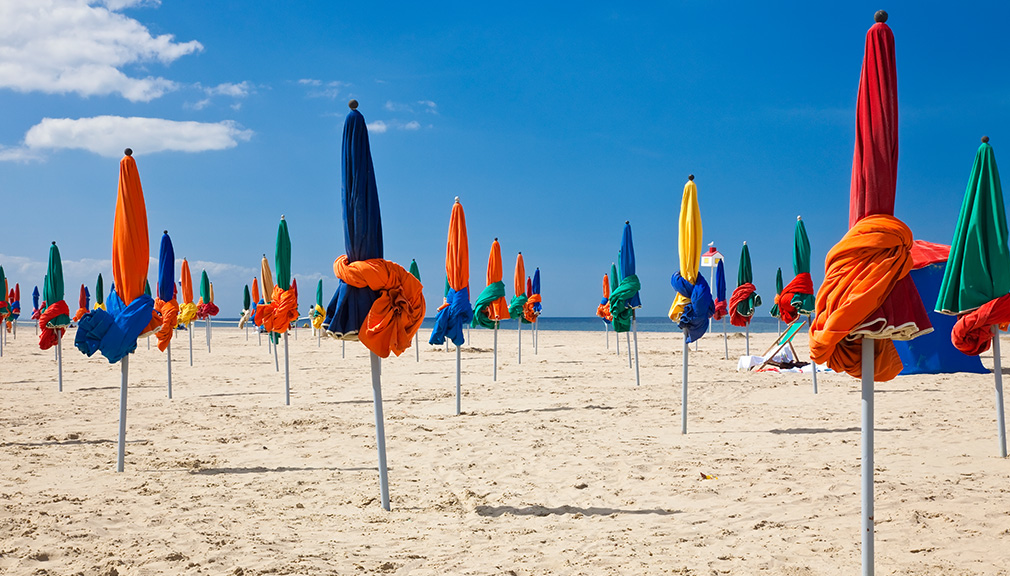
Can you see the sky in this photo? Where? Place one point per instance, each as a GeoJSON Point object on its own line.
{"type": "Point", "coordinates": [553, 125]}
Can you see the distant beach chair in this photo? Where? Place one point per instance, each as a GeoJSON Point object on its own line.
{"type": "Point", "coordinates": [785, 339]}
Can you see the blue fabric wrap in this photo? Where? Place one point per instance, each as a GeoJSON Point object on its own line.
{"type": "Point", "coordinates": [449, 321]}
{"type": "Point", "coordinates": [114, 333]}
{"type": "Point", "coordinates": [694, 319]}
{"type": "Point", "coordinates": [15, 305]}
{"type": "Point", "coordinates": [720, 283]}
{"type": "Point", "coordinates": [166, 269]}
{"type": "Point", "coordinates": [349, 306]}
{"type": "Point", "coordinates": [627, 259]}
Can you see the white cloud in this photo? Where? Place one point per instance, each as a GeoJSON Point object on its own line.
{"type": "Point", "coordinates": [398, 107]}
{"type": "Point", "coordinates": [310, 82]}
{"type": "Point", "coordinates": [121, 4]}
{"type": "Point", "coordinates": [429, 106]}
{"type": "Point", "coordinates": [19, 154]}
{"type": "Point", "coordinates": [71, 46]}
{"type": "Point", "coordinates": [109, 135]}
{"type": "Point", "coordinates": [240, 90]}
{"type": "Point", "coordinates": [198, 105]}
{"type": "Point", "coordinates": [377, 127]}
{"type": "Point", "coordinates": [328, 90]}
{"type": "Point", "coordinates": [412, 125]}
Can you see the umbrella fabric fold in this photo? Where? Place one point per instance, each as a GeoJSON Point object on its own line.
{"type": "Point", "coordinates": [778, 291]}
{"type": "Point", "coordinates": [518, 302]}
{"type": "Point", "coordinates": [532, 301]}
{"type": "Point", "coordinates": [15, 302]}
{"type": "Point", "coordinates": [972, 333]}
{"type": "Point", "coordinates": [56, 313]}
{"type": "Point", "coordinates": [538, 305]}
{"type": "Point", "coordinates": [861, 270]}
{"type": "Point", "coordinates": [83, 304]}
{"type": "Point", "coordinates": [719, 297]}
{"type": "Point", "coordinates": [187, 309]}
{"type": "Point", "coordinates": [130, 311]}
{"type": "Point", "coordinates": [603, 310]}
{"type": "Point", "coordinates": [250, 310]}
{"type": "Point", "coordinates": [456, 312]}
{"type": "Point", "coordinates": [397, 313]}
{"type": "Point", "coordinates": [693, 305]}
{"type": "Point", "coordinates": [165, 305]}
{"type": "Point", "coordinates": [491, 306]}
{"type": "Point", "coordinates": [745, 299]}
{"type": "Point", "coordinates": [978, 267]}
{"type": "Point", "coordinates": [620, 309]}
{"type": "Point", "coordinates": [99, 293]}
{"type": "Point", "coordinates": [35, 304]}
{"type": "Point", "coordinates": [699, 306]}
{"type": "Point", "coordinates": [802, 299]}
{"type": "Point", "coordinates": [205, 307]}
{"type": "Point", "coordinates": [318, 313]}
{"type": "Point", "coordinates": [282, 309]}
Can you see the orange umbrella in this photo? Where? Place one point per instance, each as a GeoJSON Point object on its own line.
{"type": "Point", "coordinates": [188, 309]}
{"type": "Point", "coordinates": [516, 307]}
{"type": "Point", "coordinates": [491, 306]}
{"type": "Point", "coordinates": [498, 309]}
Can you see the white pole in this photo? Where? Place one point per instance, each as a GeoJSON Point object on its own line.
{"type": "Point", "coordinates": [342, 348]}
{"type": "Point", "coordinates": [725, 340]}
{"type": "Point", "coordinates": [169, 362]}
{"type": "Point", "coordinates": [812, 363]}
{"type": "Point", "coordinates": [59, 355]}
{"type": "Point", "coordinates": [634, 328]}
{"type": "Point", "coordinates": [747, 332]}
{"type": "Point", "coordinates": [189, 329]}
{"type": "Point", "coordinates": [606, 333]}
{"type": "Point", "coordinates": [208, 335]}
{"type": "Point", "coordinates": [998, 373]}
{"type": "Point", "coordinates": [319, 338]}
{"type": "Point", "coordinates": [121, 452]}
{"type": "Point", "coordinates": [617, 339]}
{"type": "Point", "coordinates": [520, 322]}
{"type": "Point", "coordinates": [458, 388]}
{"type": "Point", "coordinates": [417, 348]}
{"type": "Point", "coordinates": [246, 333]}
{"type": "Point", "coordinates": [277, 363]}
{"type": "Point", "coordinates": [287, 373]}
{"type": "Point", "coordinates": [867, 461]}
{"type": "Point", "coordinates": [683, 390]}
{"type": "Point", "coordinates": [148, 342]}
{"type": "Point", "coordinates": [380, 431]}
{"type": "Point", "coordinates": [494, 372]}
{"type": "Point", "coordinates": [259, 336]}
{"type": "Point", "coordinates": [628, 336]}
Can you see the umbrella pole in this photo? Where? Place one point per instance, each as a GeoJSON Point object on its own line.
{"type": "Point", "coordinates": [59, 356]}
{"type": "Point", "coordinates": [342, 348]}
{"type": "Point", "coordinates": [725, 341]}
{"type": "Point", "coordinates": [747, 333]}
{"type": "Point", "coordinates": [617, 340]}
{"type": "Point", "coordinates": [121, 452]}
{"type": "Point", "coordinates": [812, 363]}
{"type": "Point", "coordinates": [494, 372]}
{"type": "Point", "coordinates": [417, 348]}
{"type": "Point", "coordinates": [380, 431]}
{"type": "Point", "coordinates": [319, 338]}
{"type": "Point", "coordinates": [606, 333]}
{"type": "Point", "coordinates": [867, 460]}
{"type": "Point", "coordinates": [277, 363]}
{"type": "Point", "coordinates": [457, 381]}
{"type": "Point", "coordinates": [628, 336]}
{"type": "Point", "coordinates": [998, 374]}
{"type": "Point", "coordinates": [259, 337]}
{"type": "Point", "coordinates": [634, 328]}
{"type": "Point", "coordinates": [246, 333]}
{"type": "Point", "coordinates": [287, 373]}
{"type": "Point", "coordinates": [148, 342]}
{"type": "Point", "coordinates": [189, 330]}
{"type": "Point", "coordinates": [520, 322]}
{"type": "Point", "coordinates": [683, 390]}
{"type": "Point", "coordinates": [208, 335]}
{"type": "Point", "coordinates": [169, 362]}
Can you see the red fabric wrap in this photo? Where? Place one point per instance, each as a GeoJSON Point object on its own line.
{"type": "Point", "coordinates": [741, 293]}
{"type": "Point", "coordinates": [720, 310]}
{"type": "Point", "coordinates": [167, 313]}
{"type": "Point", "coordinates": [282, 310]}
{"type": "Point", "coordinates": [972, 334]}
{"type": "Point", "coordinates": [204, 311]}
{"type": "Point", "coordinates": [47, 334]}
{"type": "Point", "coordinates": [801, 284]}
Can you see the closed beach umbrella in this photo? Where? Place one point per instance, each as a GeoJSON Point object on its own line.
{"type": "Point", "coordinates": [778, 290]}
{"type": "Point", "coordinates": [491, 306]}
{"type": "Point", "coordinates": [187, 308]}
{"type": "Point", "coordinates": [518, 302]}
{"type": "Point", "coordinates": [721, 309]}
{"type": "Point", "coordinates": [797, 297]}
{"type": "Point", "coordinates": [416, 273]}
{"type": "Point", "coordinates": [867, 297]}
{"type": "Point", "coordinates": [456, 312]}
{"type": "Point", "coordinates": [100, 293]}
{"type": "Point", "coordinates": [246, 299]}
{"type": "Point", "coordinates": [55, 317]}
{"type": "Point", "coordinates": [277, 315]}
{"type": "Point", "coordinates": [745, 299]}
{"type": "Point", "coordinates": [16, 306]}
{"type": "Point", "coordinates": [5, 308]}
{"type": "Point", "coordinates": [205, 307]}
{"type": "Point", "coordinates": [384, 300]}
{"type": "Point", "coordinates": [166, 304]}
{"type": "Point", "coordinates": [976, 282]}
{"type": "Point", "coordinates": [693, 305]}
{"type": "Point", "coordinates": [624, 299]}
{"type": "Point", "coordinates": [83, 303]}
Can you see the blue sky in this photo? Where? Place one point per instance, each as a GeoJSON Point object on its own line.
{"type": "Point", "coordinates": [553, 126]}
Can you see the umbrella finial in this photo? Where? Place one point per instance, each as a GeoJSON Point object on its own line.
{"type": "Point", "coordinates": [627, 222]}
{"type": "Point", "coordinates": [282, 216]}
{"type": "Point", "coordinates": [164, 231]}
{"type": "Point", "coordinates": [495, 238]}
{"type": "Point", "coordinates": [880, 16]}
{"type": "Point", "coordinates": [691, 177]}
{"type": "Point", "coordinates": [128, 151]}
{"type": "Point", "coordinates": [54, 242]}
{"type": "Point", "coordinates": [985, 139]}
{"type": "Point", "coordinates": [798, 218]}
{"type": "Point", "coordinates": [457, 199]}
{"type": "Point", "coordinates": [353, 104]}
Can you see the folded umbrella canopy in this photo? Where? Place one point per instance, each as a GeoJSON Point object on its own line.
{"type": "Point", "coordinates": [99, 293]}
{"type": "Point", "coordinates": [531, 310]}
{"type": "Point", "coordinates": [54, 320]}
{"type": "Point", "coordinates": [318, 312]}
{"type": "Point", "coordinates": [721, 306]}
{"type": "Point", "coordinates": [278, 314]}
{"type": "Point", "coordinates": [491, 306]}
{"type": "Point", "coordinates": [778, 290]}
{"type": "Point", "coordinates": [976, 282]}
{"type": "Point", "coordinates": [867, 297]}
{"type": "Point", "coordinates": [603, 309]}
{"type": "Point", "coordinates": [205, 307]}
{"type": "Point", "coordinates": [455, 312]}
{"type": "Point", "coordinates": [745, 299]}
{"type": "Point", "coordinates": [15, 301]}
{"type": "Point", "coordinates": [5, 307]}
{"type": "Point", "coordinates": [187, 309]}
{"type": "Point", "coordinates": [246, 301]}
{"type": "Point", "coordinates": [625, 298]}
{"type": "Point", "coordinates": [35, 304]}
{"type": "Point", "coordinates": [83, 303]}
{"type": "Point", "coordinates": [166, 305]}
{"type": "Point", "coordinates": [519, 286]}
{"type": "Point", "coordinates": [416, 273]}
{"type": "Point", "coordinates": [377, 301]}
{"type": "Point", "coordinates": [797, 297]}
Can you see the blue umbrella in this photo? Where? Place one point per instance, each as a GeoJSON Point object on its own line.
{"type": "Point", "coordinates": [720, 300]}
{"type": "Point", "coordinates": [166, 293]}
{"type": "Point", "coordinates": [538, 308]}
{"type": "Point", "coordinates": [627, 299]}
{"type": "Point", "coordinates": [627, 263]}
{"type": "Point", "coordinates": [536, 289]}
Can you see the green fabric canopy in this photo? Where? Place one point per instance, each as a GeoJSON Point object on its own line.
{"type": "Point", "coordinates": [978, 268]}
{"type": "Point", "coordinates": [619, 297]}
{"type": "Point", "coordinates": [5, 308]}
{"type": "Point", "coordinates": [205, 288]}
{"type": "Point", "coordinates": [488, 295]}
{"type": "Point", "coordinates": [147, 287]}
{"type": "Point", "coordinates": [319, 293]}
{"type": "Point", "coordinates": [614, 280]}
{"type": "Point", "coordinates": [415, 272]}
{"type": "Point", "coordinates": [246, 299]}
{"type": "Point", "coordinates": [778, 290]}
{"type": "Point", "coordinates": [52, 291]}
{"type": "Point", "coordinates": [745, 275]}
{"type": "Point", "coordinates": [516, 307]}
{"type": "Point", "coordinates": [804, 303]}
{"type": "Point", "coordinates": [100, 290]}
{"type": "Point", "coordinates": [282, 256]}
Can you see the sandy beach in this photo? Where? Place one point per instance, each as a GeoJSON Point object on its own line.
{"type": "Point", "coordinates": [563, 466]}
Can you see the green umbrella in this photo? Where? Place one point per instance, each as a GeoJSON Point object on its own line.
{"type": "Point", "coordinates": [100, 290]}
{"type": "Point", "coordinates": [614, 280]}
{"type": "Point", "coordinates": [5, 308]}
{"type": "Point", "coordinates": [246, 299]}
{"type": "Point", "coordinates": [319, 293]}
{"type": "Point", "coordinates": [147, 287]}
{"type": "Point", "coordinates": [978, 268]}
{"type": "Point", "coordinates": [778, 290]}
{"type": "Point", "coordinates": [53, 290]}
{"type": "Point", "coordinates": [804, 303]}
{"type": "Point", "coordinates": [205, 288]}
{"type": "Point", "coordinates": [282, 257]}
{"type": "Point", "coordinates": [745, 275]}
{"type": "Point", "coordinates": [414, 270]}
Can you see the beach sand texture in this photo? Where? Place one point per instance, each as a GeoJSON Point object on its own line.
{"type": "Point", "coordinates": [563, 466]}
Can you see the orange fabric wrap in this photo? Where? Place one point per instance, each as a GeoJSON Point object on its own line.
{"type": "Point", "coordinates": [603, 311]}
{"type": "Point", "coordinates": [396, 314]}
{"type": "Point", "coordinates": [860, 272]}
{"type": "Point", "coordinates": [528, 311]}
{"type": "Point", "coordinates": [282, 310]}
{"type": "Point", "coordinates": [167, 313]}
{"type": "Point", "coordinates": [130, 248]}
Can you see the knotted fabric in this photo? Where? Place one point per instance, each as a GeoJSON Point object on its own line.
{"type": "Point", "coordinates": [741, 298]}
{"type": "Point", "coordinates": [208, 309]}
{"type": "Point", "coordinates": [972, 333]}
{"type": "Point", "coordinates": [620, 310]}
{"type": "Point", "coordinates": [397, 312]}
{"type": "Point", "coordinates": [114, 333]}
{"type": "Point", "coordinates": [698, 306]}
{"type": "Point", "coordinates": [860, 272]}
{"type": "Point", "coordinates": [168, 312]}
{"type": "Point", "coordinates": [484, 306]}
{"type": "Point", "coordinates": [451, 317]}
{"type": "Point", "coordinates": [53, 318]}
{"type": "Point", "coordinates": [530, 311]}
{"type": "Point", "coordinates": [603, 310]}
{"type": "Point", "coordinates": [36, 313]}
{"type": "Point", "coordinates": [516, 307]}
{"type": "Point", "coordinates": [797, 291]}
{"type": "Point", "coordinates": [187, 313]}
{"type": "Point", "coordinates": [318, 315]}
{"type": "Point", "coordinates": [280, 312]}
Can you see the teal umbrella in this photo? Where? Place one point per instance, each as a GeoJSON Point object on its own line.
{"type": "Point", "coordinates": [99, 293]}
{"type": "Point", "coordinates": [56, 317]}
{"type": "Point", "coordinates": [416, 273]}
{"type": "Point", "coordinates": [778, 290]}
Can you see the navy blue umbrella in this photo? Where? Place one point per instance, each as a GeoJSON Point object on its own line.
{"type": "Point", "coordinates": [359, 199]}
{"type": "Point", "coordinates": [631, 301]}
{"type": "Point", "coordinates": [166, 269]}
{"type": "Point", "coordinates": [536, 289]}
{"type": "Point", "coordinates": [627, 263]}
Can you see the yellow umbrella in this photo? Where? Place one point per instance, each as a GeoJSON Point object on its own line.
{"type": "Point", "coordinates": [689, 244]}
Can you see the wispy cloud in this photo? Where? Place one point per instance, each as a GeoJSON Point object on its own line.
{"type": "Point", "coordinates": [240, 90]}
{"type": "Point", "coordinates": [398, 107]}
{"type": "Point", "coordinates": [323, 89]}
{"type": "Point", "coordinates": [73, 46]}
{"type": "Point", "coordinates": [412, 125]}
{"type": "Point", "coordinates": [429, 106]}
{"type": "Point", "coordinates": [377, 127]}
{"type": "Point", "coordinates": [109, 135]}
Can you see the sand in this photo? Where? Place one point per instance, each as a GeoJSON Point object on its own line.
{"type": "Point", "coordinates": [563, 466]}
